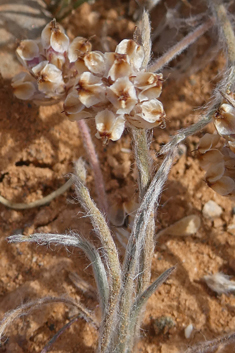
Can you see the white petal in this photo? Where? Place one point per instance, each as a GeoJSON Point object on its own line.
{"type": "Point", "coordinates": [109, 126]}
{"type": "Point", "coordinates": [150, 93]}
{"type": "Point", "coordinates": [104, 121]}
{"type": "Point", "coordinates": [38, 68]}
{"type": "Point", "coordinates": [51, 73]}
{"type": "Point", "coordinates": [59, 41]}
{"type": "Point", "coordinates": [95, 62]}
{"type": "Point", "coordinates": [27, 50]}
{"type": "Point", "coordinates": [22, 77]}
{"type": "Point", "coordinates": [46, 35]}
{"type": "Point", "coordinates": [118, 128]}
{"type": "Point", "coordinates": [134, 51]}
{"type": "Point", "coordinates": [225, 120]}
{"type": "Point", "coordinates": [145, 79]}
{"type": "Point", "coordinates": [54, 35]}
{"type": "Point", "coordinates": [72, 104]}
{"type": "Point", "coordinates": [122, 95]}
{"type": "Point", "coordinates": [90, 89]}
{"type": "Point", "coordinates": [152, 111]}
{"type": "Point", "coordinates": [55, 58]}
{"type": "Point", "coordinates": [78, 48]}
{"type": "Point", "coordinates": [24, 90]}
{"type": "Point", "coordinates": [120, 67]}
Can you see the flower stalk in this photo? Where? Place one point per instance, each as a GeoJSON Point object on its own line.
{"type": "Point", "coordinates": [178, 48]}
{"type": "Point", "coordinates": [95, 165]}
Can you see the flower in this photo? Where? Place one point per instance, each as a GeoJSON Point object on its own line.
{"type": "Point", "coordinates": [28, 52]}
{"type": "Point", "coordinates": [122, 95]}
{"type": "Point", "coordinates": [109, 126]}
{"type": "Point", "coordinates": [53, 35]}
{"type": "Point", "coordinates": [78, 48]}
{"type": "Point", "coordinates": [23, 86]}
{"type": "Point", "coordinates": [134, 51]}
{"type": "Point", "coordinates": [150, 85]}
{"type": "Point", "coordinates": [49, 78]}
{"type": "Point", "coordinates": [90, 90]}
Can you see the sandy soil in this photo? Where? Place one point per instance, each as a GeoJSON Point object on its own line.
{"type": "Point", "coordinates": [38, 146]}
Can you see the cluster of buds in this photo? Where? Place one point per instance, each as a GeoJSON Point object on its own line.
{"type": "Point", "coordinates": [113, 88]}
{"type": "Point", "coordinates": [219, 162]}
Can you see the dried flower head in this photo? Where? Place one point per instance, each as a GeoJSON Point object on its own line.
{"type": "Point", "coordinates": [112, 88]}
{"type": "Point", "coordinates": [219, 164]}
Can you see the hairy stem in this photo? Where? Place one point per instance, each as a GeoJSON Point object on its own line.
{"type": "Point", "coordinates": [94, 161]}
{"type": "Point", "coordinates": [142, 159]}
{"type": "Point", "coordinates": [178, 48]}
{"type": "Point", "coordinates": [36, 304]}
{"type": "Point", "coordinates": [37, 203]}
{"type": "Point", "coordinates": [140, 303]}
{"type": "Point", "coordinates": [112, 260]}
{"type": "Point", "coordinates": [188, 131]}
{"type": "Point", "coordinates": [59, 333]}
{"type": "Point", "coordinates": [209, 345]}
{"type": "Point", "coordinates": [134, 246]}
{"type": "Point", "coordinates": [226, 29]}
{"type": "Point", "coordinates": [74, 240]}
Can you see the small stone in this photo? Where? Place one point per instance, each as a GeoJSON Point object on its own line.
{"type": "Point", "coordinates": [211, 210]}
{"type": "Point", "coordinates": [186, 226]}
{"type": "Point", "coordinates": [188, 330]}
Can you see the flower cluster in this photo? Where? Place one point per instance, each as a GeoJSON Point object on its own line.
{"type": "Point", "coordinates": [113, 88]}
{"type": "Point", "coordinates": [219, 162]}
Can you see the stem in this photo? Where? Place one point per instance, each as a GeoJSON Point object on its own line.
{"type": "Point", "coordinates": [58, 334]}
{"type": "Point", "coordinates": [178, 48]}
{"type": "Point", "coordinates": [74, 240]}
{"type": "Point", "coordinates": [209, 345]}
{"type": "Point", "coordinates": [142, 159]}
{"type": "Point", "coordinates": [226, 29]}
{"type": "Point", "coordinates": [36, 304]}
{"type": "Point", "coordinates": [140, 303]}
{"type": "Point", "coordinates": [136, 241]}
{"type": "Point", "coordinates": [225, 25]}
{"type": "Point", "coordinates": [37, 203]}
{"type": "Point", "coordinates": [112, 261]}
{"type": "Point", "coordinates": [94, 161]}
{"type": "Point", "coordinates": [188, 131]}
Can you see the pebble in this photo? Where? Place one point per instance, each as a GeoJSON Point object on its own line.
{"type": "Point", "coordinates": [211, 210]}
{"type": "Point", "coordinates": [186, 226]}
{"type": "Point", "coordinates": [188, 331]}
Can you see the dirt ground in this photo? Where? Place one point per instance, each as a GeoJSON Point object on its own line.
{"type": "Point", "coordinates": [38, 146]}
